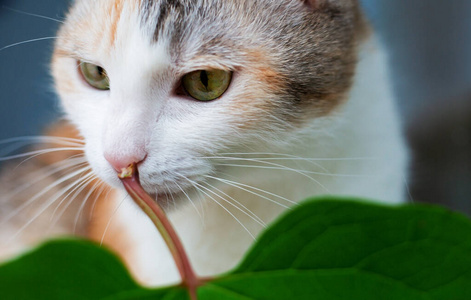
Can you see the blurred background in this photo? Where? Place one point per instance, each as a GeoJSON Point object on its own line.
{"type": "Point", "coordinates": [430, 56]}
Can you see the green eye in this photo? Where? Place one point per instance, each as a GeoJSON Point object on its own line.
{"type": "Point", "coordinates": [206, 85]}
{"type": "Point", "coordinates": [95, 76]}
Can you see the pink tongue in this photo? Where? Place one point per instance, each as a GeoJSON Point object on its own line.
{"type": "Point", "coordinates": [130, 178]}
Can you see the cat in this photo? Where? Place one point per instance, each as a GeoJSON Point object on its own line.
{"type": "Point", "coordinates": [234, 110]}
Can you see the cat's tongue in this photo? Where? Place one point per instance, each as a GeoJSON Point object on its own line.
{"type": "Point", "coordinates": [130, 178]}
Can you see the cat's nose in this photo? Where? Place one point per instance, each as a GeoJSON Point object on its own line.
{"type": "Point", "coordinates": [120, 162]}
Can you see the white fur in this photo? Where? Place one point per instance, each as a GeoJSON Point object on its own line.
{"type": "Point", "coordinates": [361, 144]}
{"type": "Point", "coordinates": [367, 126]}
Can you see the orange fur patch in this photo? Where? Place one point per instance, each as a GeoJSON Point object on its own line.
{"type": "Point", "coordinates": [115, 12]}
{"type": "Point", "coordinates": [60, 129]}
{"type": "Point", "coordinates": [113, 235]}
{"type": "Point", "coordinates": [254, 100]}
{"type": "Point", "coordinates": [66, 85]}
{"type": "Point", "coordinates": [263, 72]}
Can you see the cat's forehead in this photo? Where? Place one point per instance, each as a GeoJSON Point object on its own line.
{"type": "Point", "coordinates": [186, 27]}
{"type": "Point", "coordinates": [307, 55]}
{"type": "Point", "coordinates": [192, 27]}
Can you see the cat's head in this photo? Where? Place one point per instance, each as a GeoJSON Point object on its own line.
{"type": "Point", "coordinates": [168, 83]}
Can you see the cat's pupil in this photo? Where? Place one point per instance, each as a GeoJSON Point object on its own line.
{"type": "Point", "coordinates": [204, 78]}
{"type": "Point", "coordinates": [101, 71]}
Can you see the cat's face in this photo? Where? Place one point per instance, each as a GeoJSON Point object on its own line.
{"type": "Point", "coordinates": [271, 65]}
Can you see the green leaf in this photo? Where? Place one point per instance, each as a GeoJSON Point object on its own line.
{"type": "Point", "coordinates": [334, 249]}
{"type": "Point", "coordinates": [324, 249]}
{"type": "Point", "coordinates": [72, 270]}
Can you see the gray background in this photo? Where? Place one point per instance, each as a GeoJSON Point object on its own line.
{"type": "Point", "coordinates": [430, 55]}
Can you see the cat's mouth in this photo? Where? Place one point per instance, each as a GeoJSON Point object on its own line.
{"type": "Point", "coordinates": [169, 189]}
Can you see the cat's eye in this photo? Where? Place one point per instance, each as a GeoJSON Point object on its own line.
{"type": "Point", "coordinates": [206, 85]}
{"type": "Point", "coordinates": [95, 76]}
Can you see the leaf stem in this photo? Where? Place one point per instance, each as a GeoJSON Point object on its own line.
{"type": "Point", "coordinates": [130, 179]}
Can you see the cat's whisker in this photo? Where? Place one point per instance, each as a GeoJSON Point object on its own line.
{"type": "Point", "coordinates": [241, 187]}
{"type": "Point", "coordinates": [189, 199]}
{"type": "Point", "coordinates": [69, 189]}
{"type": "Point", "coordinates": [199, 187]}
{"type": "Point", "coordinates": [28, 41]}
{"type": "Point", "coordinates": [32, 15]}
{"type": "Point", "coordinates": [44, 207]}
{"type": "Point", "coordinates": [98, 185]}
{"type": "Point", "coordinates": [39, 154]}
{"type": "Point", "coordinates": [113, 214]}
{"type": "Point", "coordinates": [300, 158]}
{"type": "Point", "coordinates": [92, 208]}
{"type": "Point", "coordinates": [284, 157]}
{"type": "Point", "coordinates": [232, 198]}
{"type": "Point", "coordinates": [248, 212]}
{"type": "Point", "coordinates": [45, 174]}
{"type": "Point", "coordinates": [43, 192]}
{"type": "Point", "coordinates": [262, 161]}
{"type": "Point", "coordinates": [281, 168]}
{"type": "Point", "coordinates": [17, 143]}
{"type": "Point", "coordinates": [75, 190]}
{"type": "Point", "coordinates": [36, 153]}
{"type": "Point", "coordinates": [42, 139]}
{"type": "Point", "coordinates": [27, 141]}
{"type": "Point", "coordinates": [8, 152]}
{"type": "Point", "coordinates": [167, 192]}
{"type": "Point", "coordinates": [242, 207]}
{"type": "Point", "coordinates": [55, 168]}
{"type": "Point", "coordinates": [201, 201]}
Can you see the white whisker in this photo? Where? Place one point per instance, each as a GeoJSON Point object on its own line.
{"type": "Point", "coordinates": [36, 155]}
{"type": "Point", "coordinates": [281, 168]}
{"type": "Point", "coordinates": [42, 139]}
{"type": "Point", "coordinates": [301, 158]}
{"type": "Point", "coordinates": [111, 219]}
{"type": "Point", "coordinates": [45, 207]}
{"type": "Point", "coordinates": [189, 199]}
{"type": "Point", "coordinates": [42, 193]}
{"type": "Point", "coordinates": [229, 212]}
{"type": "Point", "coordinates": [261, 161]}
{"type": "Point", "coordinates": [58, 167]}
{"type": "Point", "coordinates": [200, 187]}
{"type": "Point", "coordinates": [85, 200]}
{"type": "Point", "coordinates": [39, 152]}
{"type": "Point", "coordinates": [18, 143]}
{"type": "Point", "coordinates": [166, 194]}
{"type": "Point", "coordinates": [284, 157]}
{"type": "Point", "coordinates": [76, 190]}
{"type": "Point", "coordinates": [33, 15]}
{"type": "Point", "coordinates": [241, 186]}
{"type": "Point", "coordinates": [92, 209]}
{"type": "Point", "coordinates": [29, 41]}
{"type": "Point", "coordinates": [244, 209]}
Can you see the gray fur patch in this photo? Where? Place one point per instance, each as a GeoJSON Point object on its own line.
{"type": "Point", "coordinates": [313, 51]}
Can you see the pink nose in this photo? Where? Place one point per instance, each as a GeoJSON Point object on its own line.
{"type": "Point", "coordinates": [120, 162]}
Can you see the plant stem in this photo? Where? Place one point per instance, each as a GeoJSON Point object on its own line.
{"type": "Point", "coordinates": [130, 179]}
